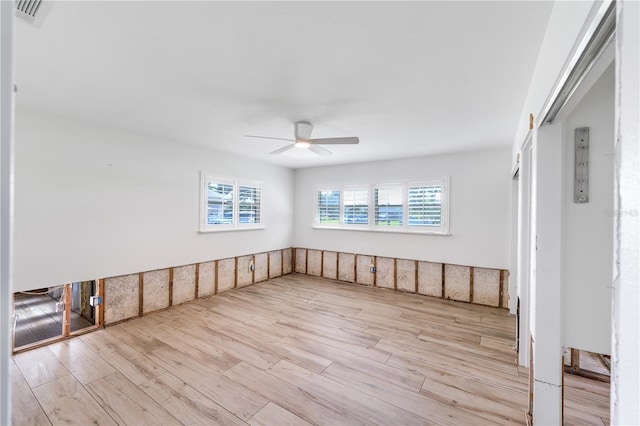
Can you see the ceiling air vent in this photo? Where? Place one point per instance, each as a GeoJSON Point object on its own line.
{"type": "Point", "coordinates": [32, 10]}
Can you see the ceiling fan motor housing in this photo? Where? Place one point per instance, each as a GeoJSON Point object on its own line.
{"type": "Point", "coordinates": [303, 130]}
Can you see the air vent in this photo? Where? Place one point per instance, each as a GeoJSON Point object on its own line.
{"type": "Point", "coordinates": [33, 11]}
{"type": "Point", "coordinates": [28, 9]}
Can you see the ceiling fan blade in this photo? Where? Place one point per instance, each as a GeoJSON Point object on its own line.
{"type": "Point", "coordinates": [335, 141]}
{"type": "Point", "coordinates": [283, 149]}
{"type": "Point", "coordinates": [267, 137]}
{"type": "Point", "coordinates": [303, 130]}
{"type": "Point", "coordinates": [319, 150]}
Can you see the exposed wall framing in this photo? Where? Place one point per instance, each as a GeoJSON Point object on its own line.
{"type": "Point", "coordinates": [482, 286]}
{"type": "Point", "coordinates": [132, 296]}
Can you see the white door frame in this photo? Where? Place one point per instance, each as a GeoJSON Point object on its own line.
{"type": "Point", "coordinates": [524, 248]}
{"type": "Point", "coordinates": [7, 14]}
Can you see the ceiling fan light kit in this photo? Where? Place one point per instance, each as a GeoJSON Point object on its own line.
{"type": "Point", "coordinates": [302, 134]}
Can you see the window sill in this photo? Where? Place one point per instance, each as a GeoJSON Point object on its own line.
{"type": "Point", "coordinates": [383, 231]}
{"type": "Point", "coordinates": [248, 228]}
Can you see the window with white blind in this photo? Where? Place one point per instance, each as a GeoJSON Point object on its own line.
{"type": "Point", "coordinates": [425, 204]}
{"type": "Point", "coordinates": [388, 206]}
{"type": "Point", "coordinates": [328, 211]}
{"type": "Point", "coordinates": [356, 206]}
{"type": "Point", "coordinates": [249, 204]}
{"type": "Point", "coordinates": [413, 207]}
{"type": "Point", "coordinates": [230, 203]}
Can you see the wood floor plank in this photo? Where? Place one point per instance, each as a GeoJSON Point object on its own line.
{"type": "Point", "coordinates": [40, 366]}
{"type": "Point", "coordinates": [272, 414]}
{"type": "Point", "coordinates": [295, 350]}
{"type": "Point", "coordinates": [66, 402]}
{"type": "Point", "coordinates": [309, 407]}
{"type": "Point", "coordinates": [26, 408]}
{"type": "Point", "coordinates": [187, 404]}
{"type": "Point", "coordinates": [126, 403]}
{"type": "Point", "coordinates": [81, 360]}
{"type": "Point", "coordinates": [233, 396]}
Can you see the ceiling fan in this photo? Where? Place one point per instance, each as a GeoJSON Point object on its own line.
{"type": "Point", "coordinates": [302, 134]}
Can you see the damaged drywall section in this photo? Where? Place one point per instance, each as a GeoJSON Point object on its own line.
{"type": "Point", "coordinates": [479, 285]}
{"type": "Point", "coordinates": [347, 267]}
{"type": "Point", "coordinates": [121, 298]}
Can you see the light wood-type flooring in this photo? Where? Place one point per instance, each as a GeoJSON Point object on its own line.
{"type": "Point", "coordinates": [291, 351]}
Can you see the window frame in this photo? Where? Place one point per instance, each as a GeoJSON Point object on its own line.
{"type": "Point", "coordinates": [406, 227]}
{"type": "Point", "coordinates": [343, 207]}
{"type": "Point", "coordinates": [236, 183]}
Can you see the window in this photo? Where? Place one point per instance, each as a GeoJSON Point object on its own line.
{"type": "Point", "coordinates": [425, 205]}
{"type": "Point", "coordinates": [230, 204]}
{"type": "Point", "coordinates": [249, 202]}
{"type": "Point", "coordinates": [328, 207]}
{"type": "Point", "coordinates": [219, 203]}
{"type": "Point", "coordinates": [356, 206]}
{"type": "Point", "coordinates": [416, 207]}
{"type": "Point", "coordinates": [388, 206]}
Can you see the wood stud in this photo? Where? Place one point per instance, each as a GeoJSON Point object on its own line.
{"type": "Point", "coordinates": [215, 291]}
{"type": "Point", "coordinates": [140, 294]}
{"type": "Point", "coordinates": [443, 285]}
{"type": "Point", "coordinates": [471, 284]}
{"type": "Point", "coordinates": [170, 286]}
{"type": "Point", "coordinates": [100, 309]}
{"type": "Point", "coordinates": [66, 315]}
{"type": "Point", "coordinates": [501, 291]}
{"type": "Point", "coordinates": [197, 286]}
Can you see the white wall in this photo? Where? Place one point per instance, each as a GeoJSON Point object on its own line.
{"type": "Point", "coordinates": [480, 191]}
{"type": "Point", "coordinates": [625, 383]}
{"type": "Point", "coordinates": [94, 202]}
{"type": "Point", "coordinates": [588, 228]}
{"type": "Point", "coordinates": [566, 23]}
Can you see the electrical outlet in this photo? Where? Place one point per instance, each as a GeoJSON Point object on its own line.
{"type": "Point", "coordinates": [95, 301]}
{"type": "Point", "coordinates": [252, 267]}
{"type": "Point", "coordinates": [59, 307]}
{"type": "Point", "coordinates": [372, 269]}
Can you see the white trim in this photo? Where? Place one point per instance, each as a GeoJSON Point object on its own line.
{"type": "Point", "coordinates": [7, 14]}
{"type": "Point", "coordinates": [404, 186]}
{"type": "Point", "coordinates": [235, 224]}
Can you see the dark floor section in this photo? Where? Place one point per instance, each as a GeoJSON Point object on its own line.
{"type": "Point", "coordinates": [36, 319]}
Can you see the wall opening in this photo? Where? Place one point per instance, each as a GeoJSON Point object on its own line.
{"type": "Point", "coordinates": [47, 314]}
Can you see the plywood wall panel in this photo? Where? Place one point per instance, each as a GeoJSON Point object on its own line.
{"type": "Point", "coordinates": [505, 289]}
{"type": "Point", "coordinates": [385, 272]}
{"type": "Point", "coordinates": [364, 274]}
{"type": "Point", "coordinates": [456, 282]}
{"type": "Point", "coordinates": [430, 279]}
{"type": "Point", "coordinates": [301, 260]}
{"type": "Point", "coordinates": [121, 298]}
{"type": "Point", "coordinates": [261, 272]}
{"type": "Point", "coordinates": [346, 267]}
{"type": "Point", "coordinates": [226, 274]}
{"type": "Point", "coordinates": [207, 279]}
{"type": "Point", "coordinates": [287, 266]}
{"type": "Point", "coordinates": [184, 283]}
{"type": "Point", "coordinates": [155, 286]}
{"type": "Point", "coordinates": [245, 275]}
{"type": "Point", "coordinates": [330, 265]}
{"type": "Point", "coordinates": [275, 264]}
{"type": "Point", "coordinates": [486, 286]}
{"type": "Point", "coordinates": [406, 275]}
{"type": "Point", "coordinates": [314, 263]}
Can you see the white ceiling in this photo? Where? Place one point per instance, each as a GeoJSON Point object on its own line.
{"type": "Point", "coordinates": [408, 78]}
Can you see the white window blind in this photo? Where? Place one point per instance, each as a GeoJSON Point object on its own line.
{"type": "Point", "coordinates": [229, 204]}
{"type": "Point", "coordinates": [356, 206]}
{"type": "Point", "coordinates": [219, 203]}
{"type": "Point", "coordinates": [388, 207]}
{"type": "Point", "coordinates": [328, 207]}
{"type": "Point", "coordinates": [425, 205]}
{"type": "Point", "coordinates": [250, 204]}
